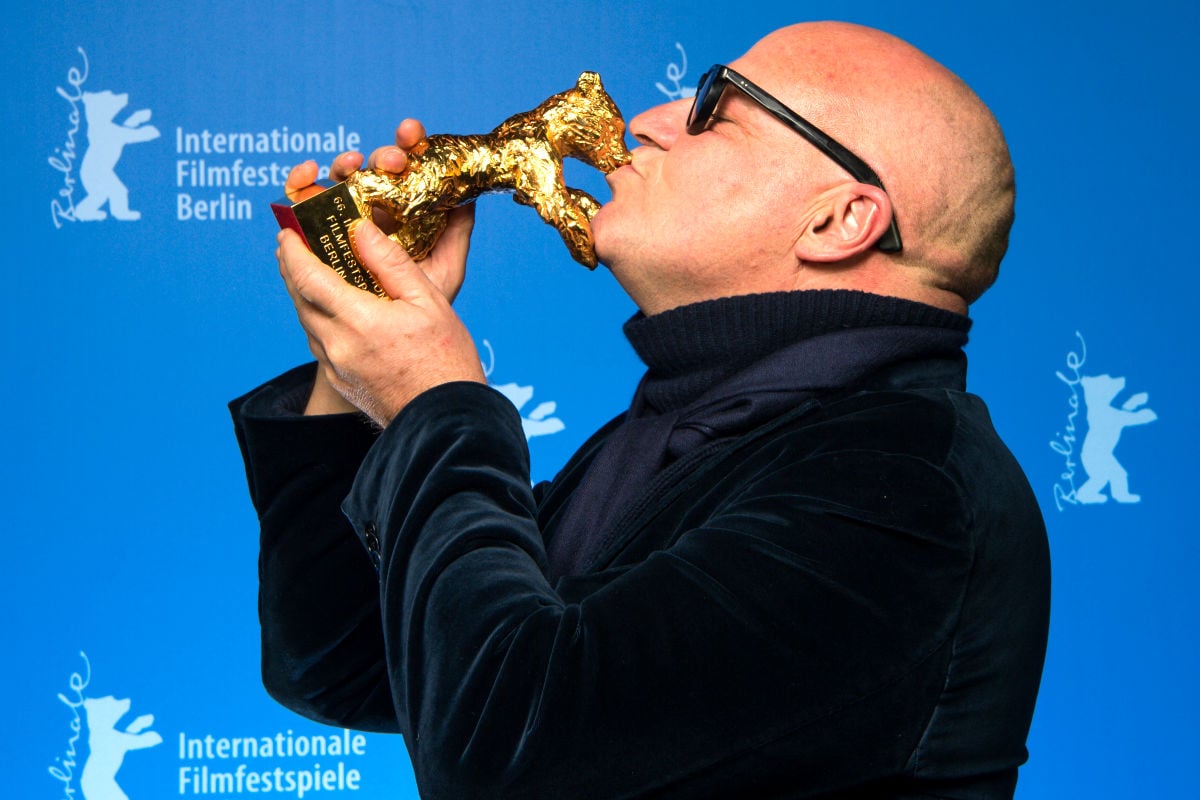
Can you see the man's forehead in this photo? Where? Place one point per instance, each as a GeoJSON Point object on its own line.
{"type": "Point", "coordinates": [784, 81]}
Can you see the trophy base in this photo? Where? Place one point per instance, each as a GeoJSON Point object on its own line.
{"type": "Point", "coordinates": [322, 215]}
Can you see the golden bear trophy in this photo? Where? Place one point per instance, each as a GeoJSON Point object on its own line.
{"type": "Point", "coordinates": [523, 155]}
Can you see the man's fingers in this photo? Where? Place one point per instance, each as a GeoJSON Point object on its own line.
{"type": "Point", "coordinates": [304, 175]}
{"type": "Point", "coordinates": [312, 285]}
{"type": "Point", "coordinates": [300, 176]}
{"type": "Point", "coordinates": [459, 224]}
{"type": "Point", "coordinates": [345, 164]}
{"type": "Point", "coordinates": [446, 265]}
{"type": "Point", "coordinates": [388, 159]}
{"type": "Point", "coordinates": [408, 133]}
{"type": "Point", "coordinates": [396, 272]}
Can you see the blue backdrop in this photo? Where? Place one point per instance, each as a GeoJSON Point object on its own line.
{"type": "Point", "coordinates": [129, 574]}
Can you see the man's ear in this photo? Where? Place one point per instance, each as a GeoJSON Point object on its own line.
{"type": "Point", "coordinates": [844, 221]}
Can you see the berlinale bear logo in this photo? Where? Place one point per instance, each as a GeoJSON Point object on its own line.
{"type": "Point", "coordinates": [106, 141]}
{"type": "Point", "coordinates": [107, 745]}
{"type": "Point", "coordinates": [538, 422]}
{"type": "Point", "coordinates": [1105, 423]}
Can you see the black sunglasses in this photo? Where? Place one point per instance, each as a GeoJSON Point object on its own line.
{"type": "Point", "coordinates": [708, 95]}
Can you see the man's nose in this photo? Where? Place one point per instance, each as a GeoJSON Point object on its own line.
{"type": "Point", "coordinates": [661, 125]}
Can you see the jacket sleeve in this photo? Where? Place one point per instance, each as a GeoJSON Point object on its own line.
{"type": "Point", "coordinates": [322, 645]}
{"type": "Point", "coordinates": [785, 635]}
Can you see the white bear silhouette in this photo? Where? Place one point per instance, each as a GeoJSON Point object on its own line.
{"type": "Point", "coordinates": [537, 422]}
{"type": "Point", "coordinates": [109, 746]}
{"type": "Point", "coordinates": [1105, 423]}
{"type": "Point", "coordinates": [106, 140]}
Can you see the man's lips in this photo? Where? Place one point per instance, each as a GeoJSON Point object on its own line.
{"type": "Point", "coordinates": [623, 170]}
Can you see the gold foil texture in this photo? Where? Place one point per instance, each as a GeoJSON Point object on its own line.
{"type": "Point", "coordinates": [524, 155]}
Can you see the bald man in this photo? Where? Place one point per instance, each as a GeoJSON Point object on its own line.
{"type": "Point", "coordinates": [801, 565]}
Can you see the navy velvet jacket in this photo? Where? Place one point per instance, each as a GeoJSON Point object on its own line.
{"type": "Point", "coordinates": [847, 600]}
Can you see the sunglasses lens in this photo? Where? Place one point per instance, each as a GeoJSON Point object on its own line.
{"type": "Point", "coordinates": [704, 102]}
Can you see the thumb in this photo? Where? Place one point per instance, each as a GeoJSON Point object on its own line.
{"type": "Point", "coordinates": [392, 267]}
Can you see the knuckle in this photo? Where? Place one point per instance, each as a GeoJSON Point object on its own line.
{"type": "Point", "coordinates": [335, 352]}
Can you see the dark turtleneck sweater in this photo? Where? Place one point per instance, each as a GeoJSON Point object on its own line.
{"type": "Point", "coordinates": [720, 367]}
{"type": "Point", "coordinates": [690, 349]}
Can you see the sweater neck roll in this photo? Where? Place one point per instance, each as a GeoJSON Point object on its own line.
{"type": "Point", "coordinates": [689, 349]}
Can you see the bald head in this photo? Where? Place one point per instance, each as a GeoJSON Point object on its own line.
{"type": "Point", "coordinates": [936, 146]}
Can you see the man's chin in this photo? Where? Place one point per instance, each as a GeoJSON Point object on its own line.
{"type": "Point", "coordinates": [603, 261]}
{"type": "Point", "coordinates": [601, 238]}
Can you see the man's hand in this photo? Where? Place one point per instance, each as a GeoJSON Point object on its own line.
{"type": "Point", "coordinates": [378, 354]}
{"type": "Point", "coordinates": [444, 268]}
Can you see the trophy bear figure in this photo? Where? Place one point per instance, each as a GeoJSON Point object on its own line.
{"type": "Point", "coordinates": [524, 155]}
